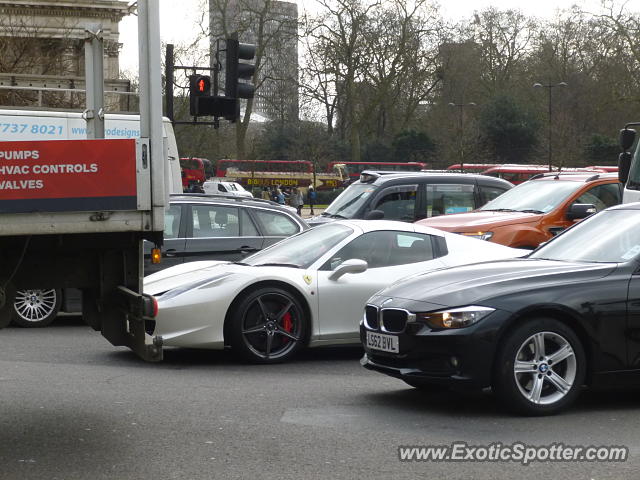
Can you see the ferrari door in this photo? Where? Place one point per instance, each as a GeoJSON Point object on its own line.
{"type": "Point", "coordinates": [390, 255]}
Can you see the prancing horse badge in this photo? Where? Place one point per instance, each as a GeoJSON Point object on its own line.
{"type": "Point", "coordinates": [307, 279]}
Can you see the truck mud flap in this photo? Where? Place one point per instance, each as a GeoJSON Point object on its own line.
{"type": "Point", "coordinates": [129, 322]}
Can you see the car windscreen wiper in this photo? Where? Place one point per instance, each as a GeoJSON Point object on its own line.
{"type": "Point", "coordinates": [337, 215]}
{"type": "Point", "coordinates": [498, 210]}
{"type": "Point", "coordinates": [276, 264]}
{"type": "Point", "coordinates": [240, 263]}
{"type": "Point", "coordinates": [531, 210]}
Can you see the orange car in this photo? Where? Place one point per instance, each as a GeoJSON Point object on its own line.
{"type": "Point", "coordinates": [536, 210]}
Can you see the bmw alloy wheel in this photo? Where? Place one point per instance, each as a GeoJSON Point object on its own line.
{"type": "Point", "coordinates": [545, 368]}
{"type": "Point", "coordinates": [540, 367]}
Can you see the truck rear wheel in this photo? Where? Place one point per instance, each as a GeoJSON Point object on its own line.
{"type": "Point", "coordinates": [7, 296]}
{"type": "Point", "coordinates": [36, 307]}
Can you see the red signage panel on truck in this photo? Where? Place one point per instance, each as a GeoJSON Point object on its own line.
{"type": "Point", "coordinates": [67, 175]}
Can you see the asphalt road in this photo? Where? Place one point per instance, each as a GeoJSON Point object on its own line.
{"type": "Point", "coordinates": [74, 407]}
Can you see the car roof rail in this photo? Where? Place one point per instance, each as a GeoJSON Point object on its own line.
{"type": "Point", "coordinates": [236, 198]}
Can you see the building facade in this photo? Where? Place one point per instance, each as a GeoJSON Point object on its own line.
{"type": "Point", "coordinates": [42, 47]}
{"type": "Point", "coordinates": [272, 27]}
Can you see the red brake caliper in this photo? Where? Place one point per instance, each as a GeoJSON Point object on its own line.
{"type": "Point", "coordinates": [287, 324]}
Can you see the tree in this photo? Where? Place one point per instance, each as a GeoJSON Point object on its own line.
{"type": "Point", "coordinates": [413, 146]}
{"type": "Point", "coordinates": [602, 150]}
{"type": "Point", "coordinates": [265, 24]}
{"type": "Point", "coordinates": [508, 130]}
{"type": "Point", "coordinates": [370, 65]}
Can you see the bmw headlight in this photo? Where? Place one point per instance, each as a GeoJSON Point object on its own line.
{"type": "Point", "coordinates": [478, 235]}
{"type": "Point", "coordinates": [455, 317]}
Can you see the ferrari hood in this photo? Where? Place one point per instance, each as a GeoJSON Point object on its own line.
{"type": "Point", "coordinates": [468, 284]}
{"type": "Point", "coordinates": [479, 220]}
{"type": "Point", "coordinates": [185, 274]}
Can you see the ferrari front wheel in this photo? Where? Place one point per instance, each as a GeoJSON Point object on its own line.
{"type": "Point", "coordinates": [268, 326]}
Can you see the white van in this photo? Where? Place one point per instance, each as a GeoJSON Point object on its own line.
{"type": "Point", "coordinates": [217, 186]}
{"type": "Point", "coordinates": [19, 125]}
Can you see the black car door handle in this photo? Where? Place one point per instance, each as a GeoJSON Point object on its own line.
{"type": "Point", "coordinates": [170, 253]}
{"type": "Point", "coordinates": [247, 248]}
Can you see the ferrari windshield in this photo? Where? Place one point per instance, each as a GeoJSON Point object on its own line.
{"type": "Point", "coordinates": [608, 237]}
{"type": "Point", "coordinates": [301, 250]}
{"type": "Point", "coordinates": [534, 196]}
{"type": "Point", "coordinates": [347, 204]}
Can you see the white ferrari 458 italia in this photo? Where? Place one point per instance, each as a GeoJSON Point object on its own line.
{"type": "Point", "coordinates": [307, 290]}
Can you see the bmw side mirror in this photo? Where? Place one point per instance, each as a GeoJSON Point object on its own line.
{"type": "Point", "coordinates": [578, 211]}
{"type": "Point", "coordinates": [353, 265]}
{"type": "Point", "coordinates": [374, 215]}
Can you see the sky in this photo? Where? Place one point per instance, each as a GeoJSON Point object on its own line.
{"type": "Point", "coordinates": [178, 18]}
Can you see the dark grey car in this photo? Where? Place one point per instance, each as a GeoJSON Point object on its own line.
{"type": "Point", "coordinates": [411, 196]}
{"type": "Point", "coordinates": [216, 227]}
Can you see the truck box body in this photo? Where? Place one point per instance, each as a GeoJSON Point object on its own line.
{"type": "Point", "coordinates": [17, 125]}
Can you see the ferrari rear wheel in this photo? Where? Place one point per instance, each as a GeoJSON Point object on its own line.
{"type": "Point", "coordinates": [268, 326]}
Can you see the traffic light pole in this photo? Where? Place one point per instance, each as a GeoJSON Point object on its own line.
{"type": "Point", "coordinates": [202, 103]}
{"type": "Point", "coordinates": [170, 68]}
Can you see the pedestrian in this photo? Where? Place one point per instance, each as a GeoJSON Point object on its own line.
{"type": "Point", "coordinates": [297, 200]}
{"type": "Point", "coordinates": [312, 198]}
{"type": "Point", "coordinates": [279, 196]}
{"type": "Point", "coordinates": [265, 193]}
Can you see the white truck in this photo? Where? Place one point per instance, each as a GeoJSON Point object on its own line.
{"type": "Point", "coordinates": [75, 213]}
{"type": "Point", "coordinates": [629, 164]}
{"type": "Point", "coordinates": [27, 125]}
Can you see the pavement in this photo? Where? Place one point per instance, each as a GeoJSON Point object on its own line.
{"type": "Point", "coordinates": [76, 407]}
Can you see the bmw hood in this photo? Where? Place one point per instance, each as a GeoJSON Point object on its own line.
{"type": "Point", "coordinates": [184, 275]}
{"type": "Point", "coordinates": [469, 284]}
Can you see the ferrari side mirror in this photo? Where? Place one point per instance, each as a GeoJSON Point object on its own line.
{"type": "Point", "coordinates": [353, 265]}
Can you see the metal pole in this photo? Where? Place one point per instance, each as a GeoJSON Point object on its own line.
{"type": "Point", "coordinates": [151, 104]}
{"type": "Point", "coordinates": [549, 86]}
{"type": "Point", "coordinates": [550, 161]}
{"type": "Point", "coordinates": [460, 138]}
{"type": "Point", "coordinates": [169, 81]}
{"type": "Point", "coordinates": [461, 128]}
{"type": "Point", "coordinates": [94, 75]}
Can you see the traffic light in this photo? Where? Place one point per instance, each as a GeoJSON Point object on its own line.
{"type": "Point", "coordinates": [199, 86]}
{"type": "Point", "coordinates": [237, 71]}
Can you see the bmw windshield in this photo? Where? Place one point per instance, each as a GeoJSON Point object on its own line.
{"type": "Point", "coordinates": [349, 202]}
{"type": "Point", "coordinates": [533, 196]}
{"type": "Point", "coordinates": [302, 250]}
{"type": "Point", "coordinates": [609, 237]}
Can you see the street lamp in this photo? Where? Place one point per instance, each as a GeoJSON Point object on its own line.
{"type": "Point", "coordinates": [549, 87]}
{"type": "Point", "coordinates": [461, 107]}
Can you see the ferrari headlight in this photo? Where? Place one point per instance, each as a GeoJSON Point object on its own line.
{"type": "Point", "coordinates": [455, 317]}
{"type": "Point", "coordinates": [478, 235]}
{"type": "Point", "coordinates": [202, 283]}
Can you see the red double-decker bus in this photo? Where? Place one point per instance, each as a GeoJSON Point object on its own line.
{"type": "Point", "coordinates": [353, 169]}
{"type": "Point", "coordinates": [284, 173]}
{"type": "Point", "coordinates": [193, 171]}
{"type": "Point", "coordinates": [471, 167]}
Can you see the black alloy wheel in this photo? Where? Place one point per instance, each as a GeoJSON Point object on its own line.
{"type": "Point", "coordinates": [268, 326]}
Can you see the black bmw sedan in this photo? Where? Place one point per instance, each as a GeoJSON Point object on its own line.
{"type": "Point", "coordinates": [535, 330]}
